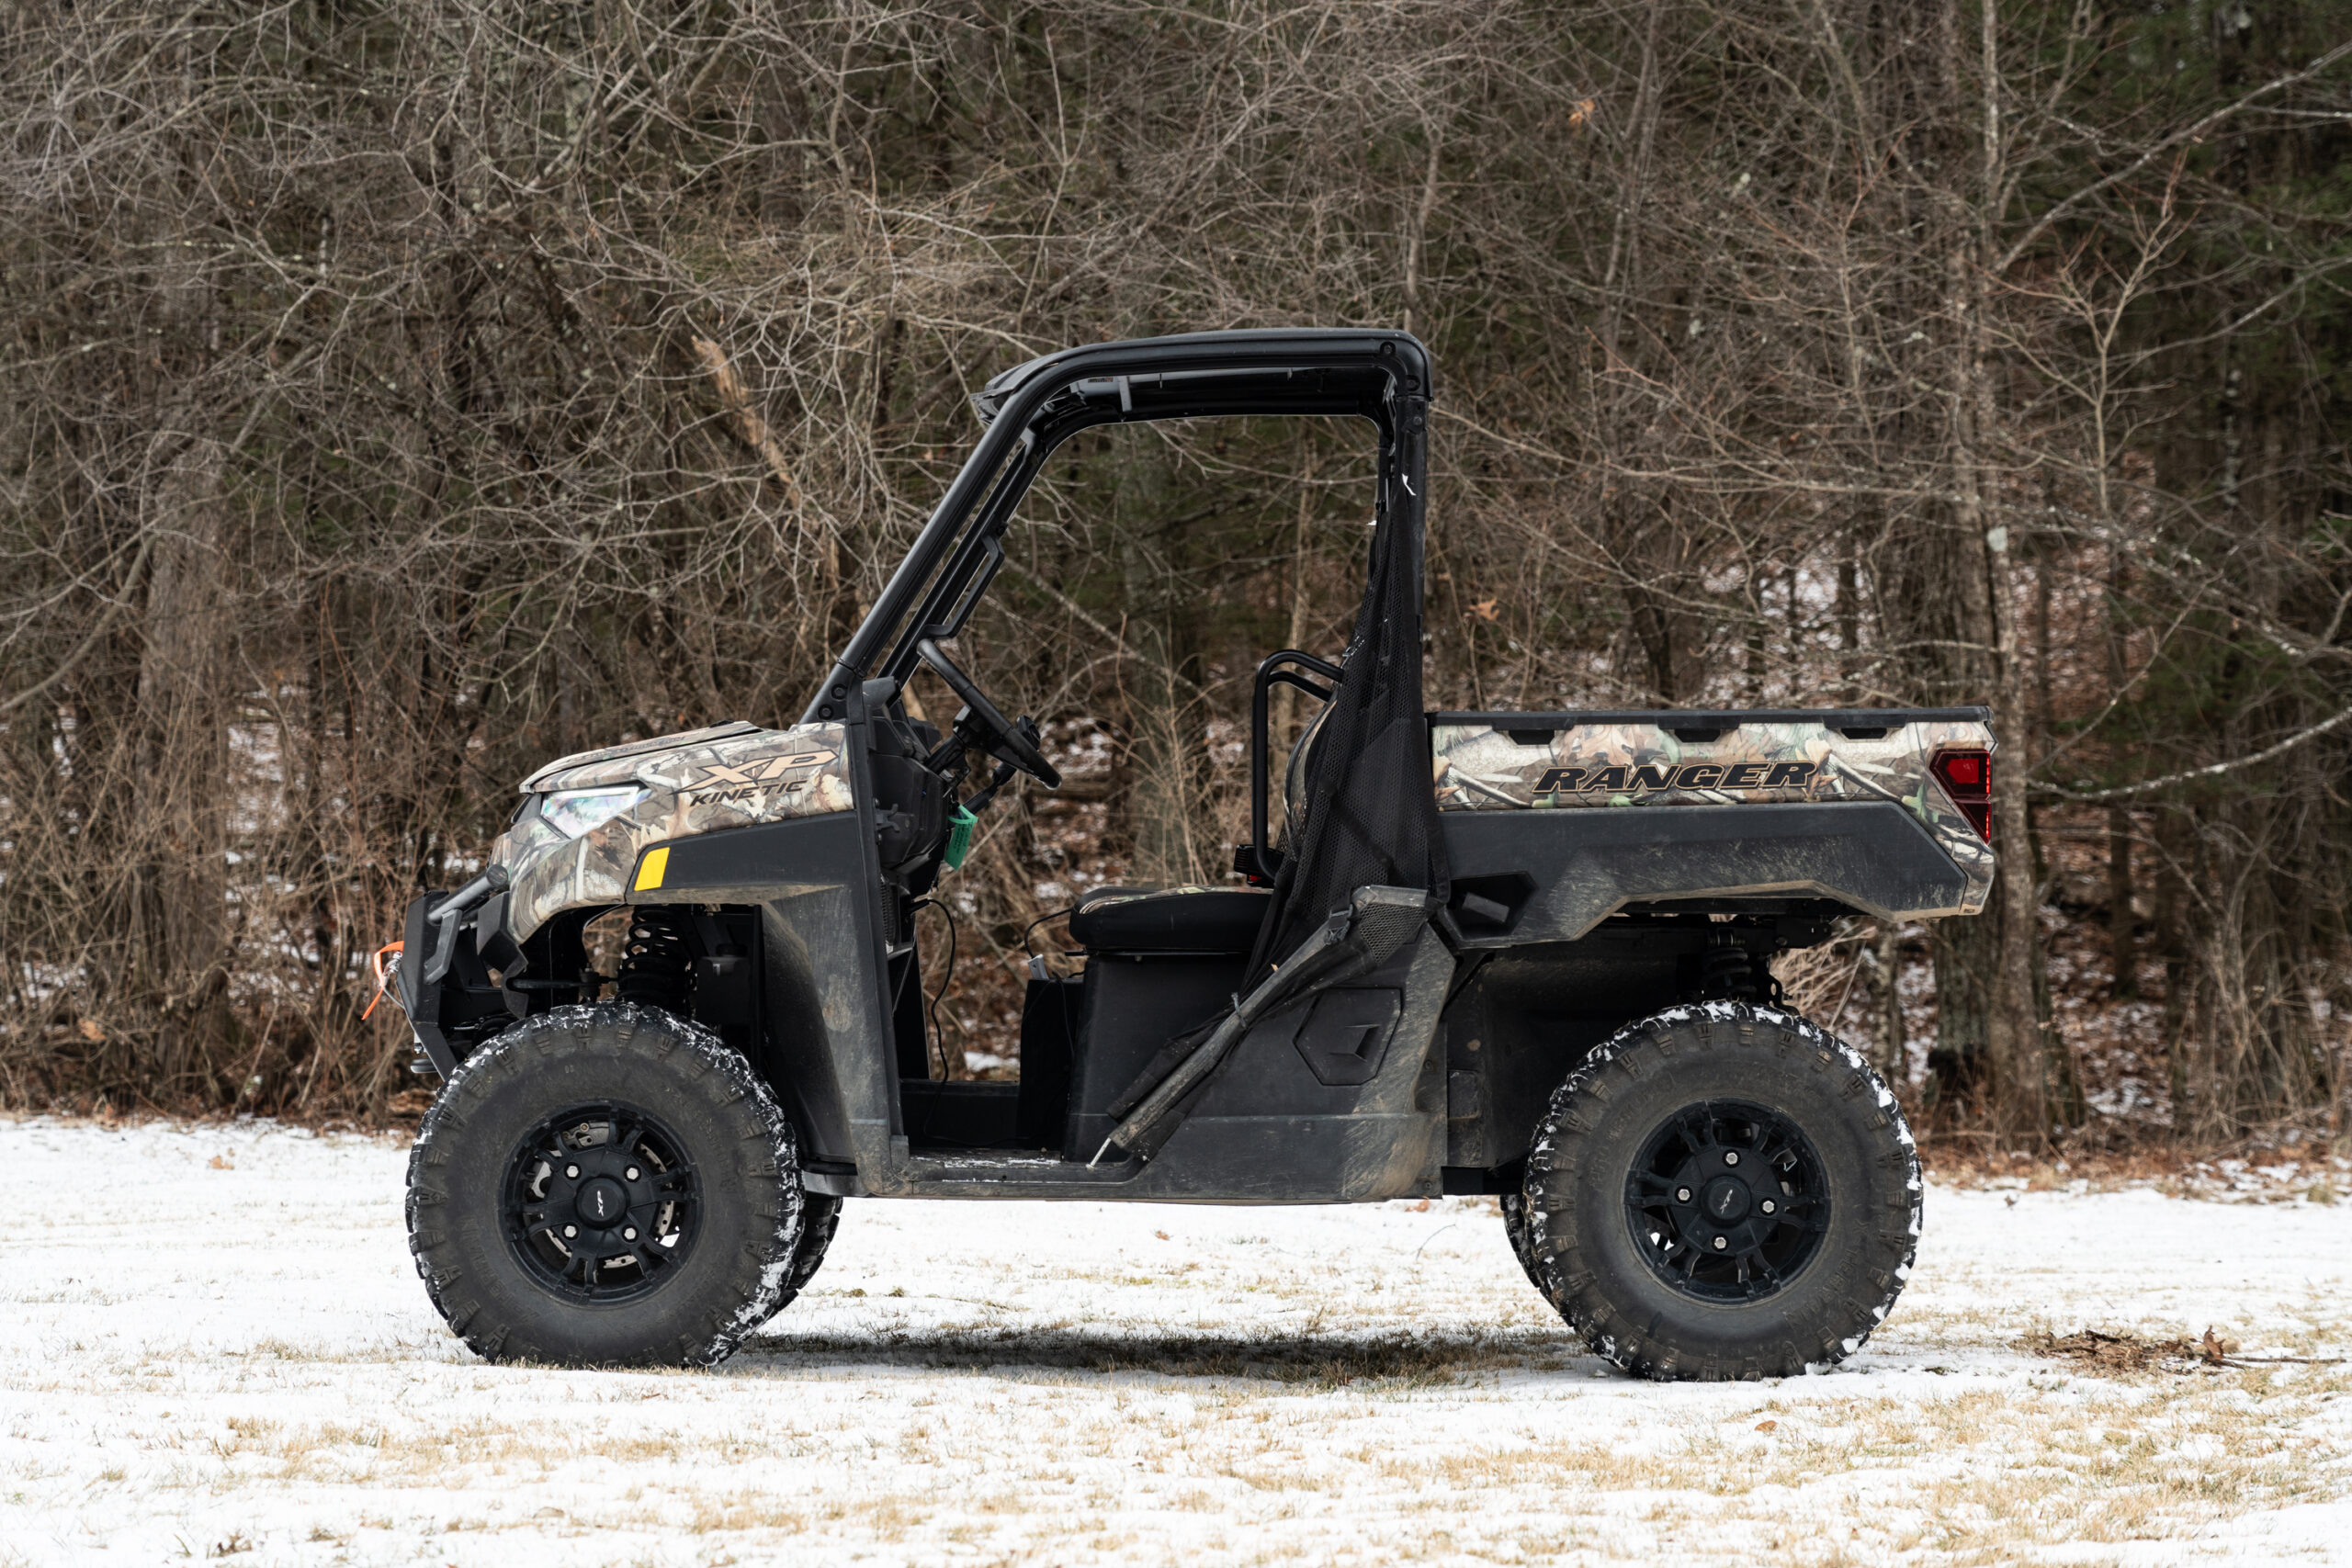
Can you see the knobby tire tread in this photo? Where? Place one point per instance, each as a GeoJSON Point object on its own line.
{"type": "Point", "coordinates": [786, 1231]}
{"type": "Point", "coordinates": [1868, 1261]}
{"type": "Point", "coordinates": [1514, 1206]}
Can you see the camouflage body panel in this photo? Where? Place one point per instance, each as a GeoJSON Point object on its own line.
{"type": "Point", "coordinates": [1479, 767]}
{"type": "Point", "coordinates": [693, 785]}
{"type": "Point", "coordinates": [618, 765]}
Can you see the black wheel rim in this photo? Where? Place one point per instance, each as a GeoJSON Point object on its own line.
{"type": "Point", "coordinates": [1727, 1202]}
{"type": "Point", "coordinates": [601, 1204]}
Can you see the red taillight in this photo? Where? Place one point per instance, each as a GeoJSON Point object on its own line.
{"type": "Point", "coordinates": [1967, 777]}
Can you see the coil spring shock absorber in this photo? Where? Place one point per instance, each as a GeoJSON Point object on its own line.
{"type": "Point", "coordinates": [1725, 972]}
{"type": "Point", "coordinates": [657, 962]}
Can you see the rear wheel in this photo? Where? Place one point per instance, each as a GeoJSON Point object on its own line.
{"type": "Point", "coordinates": [1521, 1246]}
{"type": "Point", "coordinates": [1722, 1192]}
{"type": "Point", "coordinates": [609, 1184]}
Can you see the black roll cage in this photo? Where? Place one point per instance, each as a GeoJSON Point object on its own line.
{"type": "Point", "coordinates": [1259, 863]}
{"type": "Point", "coordinates": [1033, 408]}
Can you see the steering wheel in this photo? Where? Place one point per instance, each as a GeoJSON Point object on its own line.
{"type": "Point", "coordinates": [1000, 738]}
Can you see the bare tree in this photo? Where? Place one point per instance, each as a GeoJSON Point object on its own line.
{"type": "Point", "coordinates": [404, 395]}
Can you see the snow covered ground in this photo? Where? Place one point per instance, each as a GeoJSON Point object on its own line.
{"type": "Point", "coordinates": [214, 1345]}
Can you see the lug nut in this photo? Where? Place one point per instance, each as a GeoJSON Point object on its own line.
{"type": "Point", "coordinates": [629, 1233]}
{"type": "Point", "coordinates": [1731, 1157]}
{"type": "Point", "coordinates": [1721, 1244]}
{"type": "Point", "coordinates": [570, 1231]}
{"type": "Point", "coordinates": [1682, 1194]}
{"type": "Point", "coordinates": [572, 1171]}
{"type": "Point", "coordinates": [1770, 1207]}
{"type": "Point", "coordinates": [631, 1173]}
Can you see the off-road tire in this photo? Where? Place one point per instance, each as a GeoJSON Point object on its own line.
{"type": "Point", "coordinates": [820, 1216]}
{"type": "Point", "coordinates": [1580, 1181]}
{"type": "Point", "coordinates": [1522, 1247]}
{"type": "Point", "coordinates": [751, 1219]}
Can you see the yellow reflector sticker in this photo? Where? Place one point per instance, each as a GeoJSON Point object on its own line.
{"type": "Point", "coordinates": [650, 869]}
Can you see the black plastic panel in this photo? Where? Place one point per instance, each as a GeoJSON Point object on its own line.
{"type": "Point", "coordinates": [806, 876]}
{"type": "Point", "coordinates": [960, 1115]}
{"type": "Point", "coordinates": [1133, 1007]}
{"type": "Point", "coordinates": [1050, 1014]}
{"type": "Point", "coordinates": [1530, 1015]}
{"type": "Point", "coordinates": [1869, 856]}
{"type": "Point", "coordinates": [1345, 1034]}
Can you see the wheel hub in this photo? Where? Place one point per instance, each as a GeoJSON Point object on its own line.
{"type": "Point", "coordinates": [1727, 1202]}
{"type": "Point", "coordinates": [600, 1204]}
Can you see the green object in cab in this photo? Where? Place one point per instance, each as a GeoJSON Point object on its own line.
{"type": "Point", "coordinates": [959, 838]}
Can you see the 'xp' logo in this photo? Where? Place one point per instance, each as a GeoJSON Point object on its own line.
{"type": "Point", "coordinates": [758, 772]}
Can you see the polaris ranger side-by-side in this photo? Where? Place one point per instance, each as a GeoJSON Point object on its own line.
{"type": "Point", "coordinates": [1518, 954]}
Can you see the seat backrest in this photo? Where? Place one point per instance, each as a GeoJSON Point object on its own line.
{"type": "Point", "coordinates": [1169, 920]}
{"type": "Point", "coordinates": [1294, 779]}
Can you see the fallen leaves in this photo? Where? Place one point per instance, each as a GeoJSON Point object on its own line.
{"type": "Point", "coordinates": [409, 1102]}
{"type": "Point", "coordinates": [2129, 1352]}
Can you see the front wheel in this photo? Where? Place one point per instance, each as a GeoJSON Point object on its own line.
{"type": "Point", "coordinates": [608, 1185]}
{"type": "Point", "coordinates": [1722, 1192]}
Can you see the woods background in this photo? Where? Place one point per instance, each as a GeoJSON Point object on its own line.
{"type": "Point", "coordinates": [400, 395]}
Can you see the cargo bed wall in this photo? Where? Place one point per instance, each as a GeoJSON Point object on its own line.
{"type": "Point", "coordinates": [1554, 820]}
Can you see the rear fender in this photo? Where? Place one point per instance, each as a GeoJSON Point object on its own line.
{"type": "Point", "coordinates": [1554, 876]}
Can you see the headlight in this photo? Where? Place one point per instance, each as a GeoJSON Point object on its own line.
{"type": "Point", "coordinates": [578, 811]}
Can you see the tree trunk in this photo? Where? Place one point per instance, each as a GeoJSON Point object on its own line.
{"type": "Point", "coordinates": [2123, 961]}
{"type": "Point", "coordinates": [2032, 1076]}
{"type": "Point", "coordinates": [1166, 753]}
{"type": "Point", "coordinates": [2122, 957]}
{"type": "Point", "coordinates": [179, 787]}
{"type": "Point", "coordinates": [1960, 1071]}
{"type": "Point", "coordinates": [1886, 1002]}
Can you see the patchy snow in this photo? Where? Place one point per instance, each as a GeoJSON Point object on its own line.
{"type": "Point", "coordinates": [214, 1344]}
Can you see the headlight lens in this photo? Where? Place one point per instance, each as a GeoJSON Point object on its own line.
{"type": "Point", "coordinates": [578, 811]}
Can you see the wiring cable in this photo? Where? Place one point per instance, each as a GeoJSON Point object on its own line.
{"type": "Point", "coordinates": [930, 1004]}
{"type": "Point", "coordinates": [1036, 960]}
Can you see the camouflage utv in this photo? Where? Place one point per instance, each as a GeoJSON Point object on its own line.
{"type": "Point", "coordinates": [1518, 954]}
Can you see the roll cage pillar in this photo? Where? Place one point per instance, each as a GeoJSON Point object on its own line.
{"type": "Point", "coordinates": [1384, 376]}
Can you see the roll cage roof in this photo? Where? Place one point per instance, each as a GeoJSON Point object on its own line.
{"type": "Point", "coordinates": [1030, 410]}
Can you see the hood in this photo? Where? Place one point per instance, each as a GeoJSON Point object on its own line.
{"type": "Point", "coordinates": [619, 764]}
{"type": "Point", "coordinates": [703, 780]}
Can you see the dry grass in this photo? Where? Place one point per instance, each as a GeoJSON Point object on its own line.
{"type": "Point", "coordinates": [1023, 1384]}
{"type": "Point", "coordinates": [1262, 1438]}
{"type": "Point", "coordinates": [2286, 1169]}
